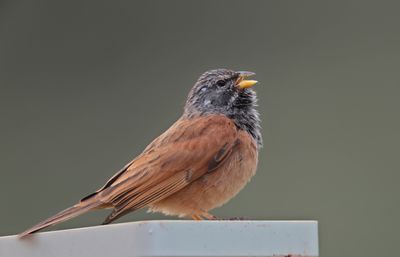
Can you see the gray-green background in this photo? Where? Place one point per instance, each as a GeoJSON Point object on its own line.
{"type": "Point", "coordinates": [86, 85]}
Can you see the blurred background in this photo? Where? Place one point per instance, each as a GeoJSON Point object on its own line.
{"type": "Point", "coordinates": [86, 85]}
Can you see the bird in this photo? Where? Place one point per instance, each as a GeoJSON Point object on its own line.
{"type": "Point", "coordinates": [202, 161]}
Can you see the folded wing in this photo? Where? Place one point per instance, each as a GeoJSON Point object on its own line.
{"type": "Point", "coordinates": [184, 153]}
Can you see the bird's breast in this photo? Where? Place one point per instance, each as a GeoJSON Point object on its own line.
{"type": "Point", "coordinates": [217, 187]}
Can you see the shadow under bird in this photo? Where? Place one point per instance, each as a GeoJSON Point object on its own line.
{"type": "Point", "coordinates": [203, 160]}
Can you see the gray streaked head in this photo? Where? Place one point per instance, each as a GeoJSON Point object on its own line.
{"type": "Point", "coordinates": [225, 92]}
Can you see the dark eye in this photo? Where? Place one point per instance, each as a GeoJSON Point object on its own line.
{"type": "Point", "coordinates": [221, 83]}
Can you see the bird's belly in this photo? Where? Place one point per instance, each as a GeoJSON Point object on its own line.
{"type": "Point", "coordinates": [213, 189]}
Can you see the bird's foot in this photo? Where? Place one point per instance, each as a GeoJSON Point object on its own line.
{"type": "Point", "coordinates": [208, 216]}
{"type": "Point", "coordinates": [204, 216]}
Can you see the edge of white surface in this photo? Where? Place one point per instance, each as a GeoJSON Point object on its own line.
{"type": "Point", "coordinates": [171, 238]}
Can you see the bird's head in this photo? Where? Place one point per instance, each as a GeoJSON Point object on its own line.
{"type": "Point", "coordinates": [228, 93]}
{"type": "Point", "coordinates": [220, 91]}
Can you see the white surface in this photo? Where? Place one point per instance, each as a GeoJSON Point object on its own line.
{"type": "Point", "coordinates": [171, 238]}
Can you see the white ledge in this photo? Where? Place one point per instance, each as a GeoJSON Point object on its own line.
{"type": "Point", "coordinates": [171, 238]}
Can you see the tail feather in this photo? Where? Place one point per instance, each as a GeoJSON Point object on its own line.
{"type": "Point", "coordinates": [64, 215]}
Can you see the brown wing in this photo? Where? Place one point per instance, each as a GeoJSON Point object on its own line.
{"type": "Point", "coordinates": [110, 181]}
{"type": "Point", "coordinates": [185, 152]}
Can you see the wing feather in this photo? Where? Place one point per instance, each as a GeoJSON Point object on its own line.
{"type": "Point", "coordinates": [184, 153]}
{"type": "Point", "coordinates": [156, 193]}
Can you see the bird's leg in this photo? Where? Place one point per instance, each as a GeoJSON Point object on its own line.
{"type": "Point", "coordinates": [208, 216]}
{"type": "Point", "coordinates": [203, 216]}
{"type": "Point", "coordinates": [196, 217]}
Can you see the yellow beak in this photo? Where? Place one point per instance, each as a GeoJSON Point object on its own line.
{"type": "Point", "coordinates": [246, 83]}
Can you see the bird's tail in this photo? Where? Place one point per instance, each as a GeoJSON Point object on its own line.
{"type": "Point", "coordinates": [71, 212]}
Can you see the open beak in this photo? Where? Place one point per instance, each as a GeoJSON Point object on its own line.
{"type": "Point", "coordinates": [242, 83]}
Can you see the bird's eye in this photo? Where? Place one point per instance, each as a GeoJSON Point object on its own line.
{"type": "Point", "coordinates": [221, 83]}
